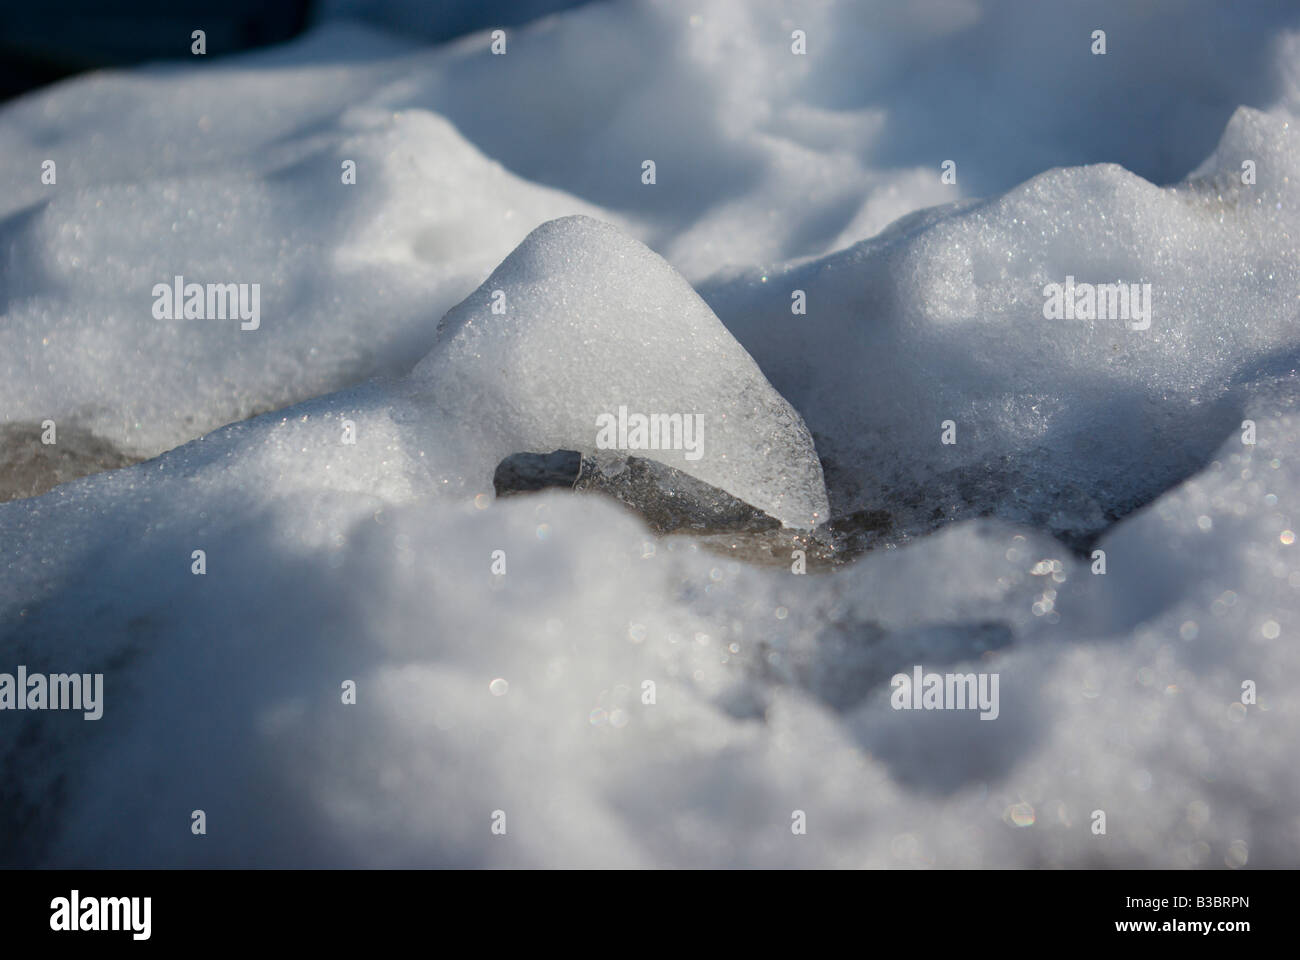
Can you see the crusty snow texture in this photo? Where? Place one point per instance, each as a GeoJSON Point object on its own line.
{"type": "Point", "coordinates": [629, 700]}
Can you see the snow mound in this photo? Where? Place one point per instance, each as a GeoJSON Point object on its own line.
{"type": "Point", "coordinates": [80, 343]}
{"type": "Point", "coordinates": [1068, 423]}
{"type": "Point", "coordinates": [594, 328]}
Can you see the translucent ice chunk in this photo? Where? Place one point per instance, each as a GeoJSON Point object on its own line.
{"type": "Point", "coordinates": [579, 334]}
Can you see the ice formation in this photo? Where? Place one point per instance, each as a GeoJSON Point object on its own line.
{"type": "Point", "coordinates": [583, 328]}
{"type": "Point", "coordinates": [630, 699]}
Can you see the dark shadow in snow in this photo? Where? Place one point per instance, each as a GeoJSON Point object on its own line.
{"type": "Point", "coordinates": [941, 751]}
{"type": "Point", "coordinates": [1155, 102]}
{"type": "Point", "coordinates": [190, 724]}
{"type": "Point", "coordinates": [21, 274]}
{"type": "Point", "coordinates": [849, 668]}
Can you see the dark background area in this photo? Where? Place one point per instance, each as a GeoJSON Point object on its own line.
{"type": "Point", "coordinates": [42, 41]}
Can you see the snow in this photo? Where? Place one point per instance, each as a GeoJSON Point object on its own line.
{"type": "Point", "coordinates": [1066, 423]}
{"type": "Point", "coordinates": [373, 561]}
{"type": "Point", "coordinates": [426, 219]}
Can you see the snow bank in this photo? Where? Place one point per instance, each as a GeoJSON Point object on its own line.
{"type": "Point", "coordinates": [1064, 423]}
{"type": "Point", "coordinates": [80, 343]}
{"type": "Point", "coordinates": [762, 156]}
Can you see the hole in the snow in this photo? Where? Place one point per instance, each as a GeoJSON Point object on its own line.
{"type": "Point", "coordinates": [672, 502]}
{"type": "Point", "coordinates": [530, 472]}
{"type": "Point", "coordinates": [668, 500]}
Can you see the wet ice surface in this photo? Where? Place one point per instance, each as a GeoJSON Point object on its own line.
{"type": "Point", "coordinates": [374, 561]}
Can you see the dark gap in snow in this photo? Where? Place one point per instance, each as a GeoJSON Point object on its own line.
{"type": "Point", "coordinates": [530, 472]}
{"type": "Point", "coordinates": [1061, 490]}
{"type": "Point", "coordinates": [667, 499]}
{"type": "Point", "coordinates": [29, 467]}
{"type": "Point", "coordinates": [670, 500]}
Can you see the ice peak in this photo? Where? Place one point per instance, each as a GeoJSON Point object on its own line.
{"type": "Point", "coordinates": [585, 339]}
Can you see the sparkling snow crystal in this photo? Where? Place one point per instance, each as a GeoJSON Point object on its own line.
{"type": "Point", "coordinates": [628, 655]}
